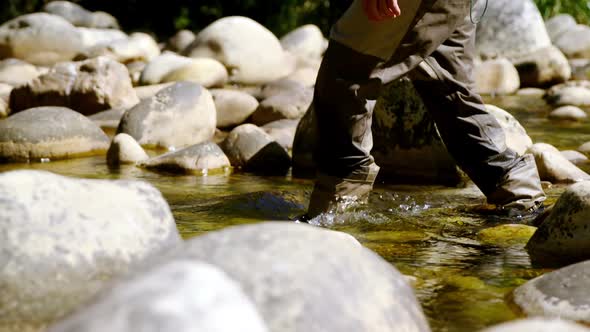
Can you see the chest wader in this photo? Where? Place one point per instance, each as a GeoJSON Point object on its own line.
{"type": "Point", "coordinates": [433, 42]}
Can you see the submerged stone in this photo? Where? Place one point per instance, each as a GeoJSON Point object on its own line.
{"type": "Point", "coordinates": [506, 235]}
{"type": "Point", "coordinates": [538, 325]}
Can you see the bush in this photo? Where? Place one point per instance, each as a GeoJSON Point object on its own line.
{"type": "Point", "coordinates": [579, 9]}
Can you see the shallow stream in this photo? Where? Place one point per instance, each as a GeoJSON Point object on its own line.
{"type": "Point", "coordinates": [461, 275]}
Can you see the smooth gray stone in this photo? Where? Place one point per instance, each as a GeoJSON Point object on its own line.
{"type": "Point", "coordinates": [49, 132]}
{"type": "Point", "coordinates": [204, 158]}
{"type": "Point", "coordinates": [62, 239]}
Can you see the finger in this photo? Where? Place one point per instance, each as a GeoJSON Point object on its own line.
{"type": "Point", "coordinates": [389, 8]}
{"type": "Point", "coordinates": [373, 10]}
{"type": "Point", "coordinates": [396, 8]}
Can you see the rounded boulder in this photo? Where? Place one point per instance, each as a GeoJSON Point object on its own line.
{"type": "Point", "coordinates": [564, 235]}
{"type": "Point", "coordinates": [125, 150]}
{"type": "Point", "coordinates": [251, 52]}
{"type": "Point", "coordinates": [233, 107]}
{"type": "Point", "coordinates": [554, 167]}
{"type": "Point", "coordinates": [559, 294]}
{"type": "Point", "coordinates": [49, 132]}
{"type": "Point", "coordinates": [180, 115]}
{"type": "Point", "coordinates": [40, 38]}
{"type": "Point", "coordinates": [62, 240]}
{"type": "Point", "coordinates": [252, 149]}
{"type": "Point", "coordinates": [87, 87]}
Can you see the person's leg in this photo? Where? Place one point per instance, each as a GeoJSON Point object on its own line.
{"type": "Point", "coordinates": [472, 135]}
{"type": "Point", "coordinates": [344, 97]}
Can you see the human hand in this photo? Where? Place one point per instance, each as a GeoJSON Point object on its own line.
{"type": "Point", "coordinates": [379, 10]}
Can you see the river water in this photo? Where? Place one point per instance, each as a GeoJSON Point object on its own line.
{"type": "Point", "coordinates": [461, 273]}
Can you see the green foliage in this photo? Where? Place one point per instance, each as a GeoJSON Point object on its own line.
{"type": "Point", "coordinates": [579, 9]}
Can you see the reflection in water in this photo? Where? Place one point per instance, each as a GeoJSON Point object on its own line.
{"type": "Point", "coordinates": [424, 231]}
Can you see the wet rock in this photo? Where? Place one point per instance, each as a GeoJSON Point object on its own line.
{"type": "Point", "coordinates": [405, 142]}
{"type": "Point", "coordinates": [207, 72]}
{"type": "Point", "coordinates": [108, 119]}
{"type": "Point", "coordinates": [252, 149]}
{"type": "Point", "coordinates": [49, 132]}
{"type": "Point", "coordinates": [282, 131]}
{"type": "Point", "coordinates": [39, 38]}
{"type": "Point", "coordinates": [564, 234]}
{"type": "Point", "coordinates": [204, 158]}
{"type": "Point", "coordinates": [574, 157]}
{"type": "Point", "coordinates": [511, 28]}
{"type": "Point", "coordinates": [161, 66]}
{"type": "Point", "coordinates": [498, 76]}
{"type": "Point", "coordinates": [289, 105]}
{"type": "Point", "coordinates": [506, 235]}
{"type": "Point", "coordinates": [87, 87]}
{"type": "Point", "coordinates": [125, 150]}
{"type": "Point", "coordinates": [531, 92]}
{"type": "Point", "coordinates": [92, 37]}
{"type": "Point", "coordinates": [178, 116]}
{"type": "Point", "coordinates": [233, 107]}
{"type": "Point", "coordinates": [559, 294]}
{"type": "Point", "coordinates": [276, 272]}
{"type": "Point", "coordinates": [538, 325]}
{"type": "Point", "coordinates": [148, 91]}
{"type": "Point", "coordinates": [81, 17]}
{"type": "Point", "coordinates": [554, 167]}
{"type": "Point", "coordinates": [306, 42]}
{"type": "Point", "coordinates": [138, 46]}
{"type": "Point", "coordinates": [180, 41]}
{"type": "Point", "coordinates": [575, 42]}
{"type": "Point", "coordinates": [62, 239]}
{"type": "Point", "coordinates": [16, 72]}
{"type": "Point", "coordinates": [544, 67]}
{"type": "Point", "coordinates": [196, 297]}
{"type": "Point", "coordinates": [571, 113]}
{"type": "Point", "coordinates": [252, 53]}
{"type": "Point", "coordinates": [576, 94]}
{"type": "Point", "coordinates": [558, 25]}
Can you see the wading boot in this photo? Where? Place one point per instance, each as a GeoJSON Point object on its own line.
{"type": "Point", "coordinates": [519, 196]}
{"type": "Point", "coordinates": [335, 195]}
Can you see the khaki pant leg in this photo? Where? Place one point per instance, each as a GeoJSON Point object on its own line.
{"type": "Point", "coordinates": [472, 135]}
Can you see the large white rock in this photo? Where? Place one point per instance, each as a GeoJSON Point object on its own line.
{"type": "Point", "coordinates": [178, 116]}
{"type": "Point", "coordinates": [87, 87]}
{"type": "Point", "coordinates": [179, 296]}
{"type": "Point", "coordinates": [288, 105]}
{"type": "Point", "coordinates": [511, 28]}
{"type": "Point", "coordinates": [304, 278]}
{"type": "Point", "coordinates": [565, 234]}
{"type": "Point", "coordinates": [306, 43]}
{"type": "Point", "coordinates": [62, 239]}
{"type": "Point", "coordinates": [252, 54]}
{"type": "Point", "coordinates": [538, 325]}
{"type": "Point", "coordinates": [554, 167]}
{"type": "Point", "coordinates": [544, 67]}
{"type": "Point", "coordinates": [498, 76]}
{"type": "Point", "coordinates": [40, 39]}
{"type": "Point", "coordinates": [559, 294]}
{"type": "Point", "coordinates": [49, 133]}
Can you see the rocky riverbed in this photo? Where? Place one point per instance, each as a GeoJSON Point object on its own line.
{"type": "Point", "coordinates": [125, 160]}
